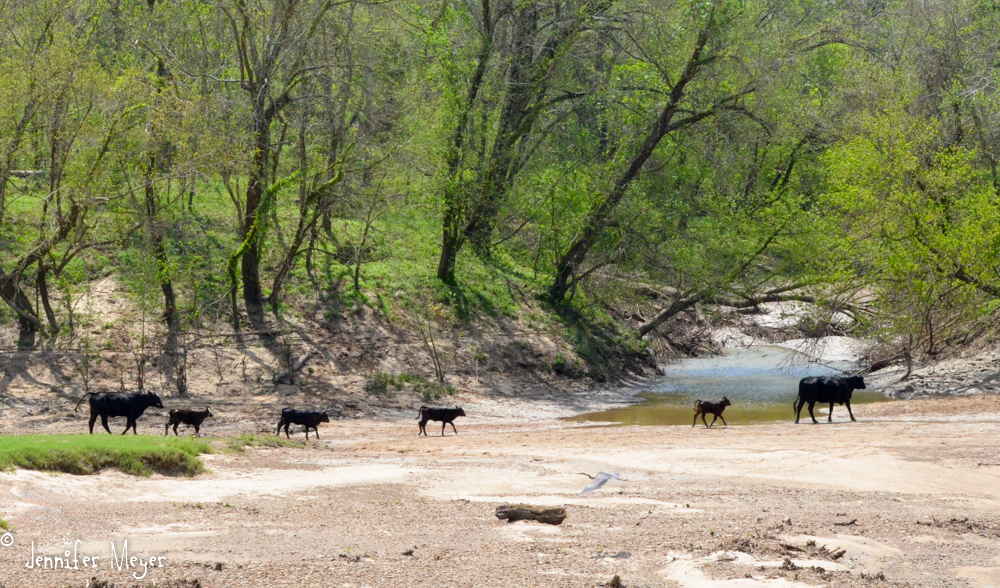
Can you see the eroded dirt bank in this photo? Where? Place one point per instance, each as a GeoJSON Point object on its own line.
{"type": "Point", "coordinates": [911, 492]}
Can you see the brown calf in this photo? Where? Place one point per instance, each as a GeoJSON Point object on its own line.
{"type": "Point", "coordinates": [715, 408]}
{"type": "Point", "coordinates": [186, 416]}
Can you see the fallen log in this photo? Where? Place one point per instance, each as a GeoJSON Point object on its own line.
{"type": "Point", "coordinates": [526, 512]}
{"type": "Point", "coordinates": [289, 375]}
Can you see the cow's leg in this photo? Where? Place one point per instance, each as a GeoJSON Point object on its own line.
{"type": "Point", "coordinates": [423, 428]}
{"type": "Point", "coordinates": [278, 430]}
{"type": "Point", "coordinates": [453, 427]}
{"type": "Point", "coordinates": [93, 419]}
{"type": "Point", "coordinates": [104, 421]}
{"type": "Point", "coordinates": [811, 405]}
{"type": "Point", "coordinates": [286, 431]}
{"type": "Point", "coordinates": [197, 430]}
{"type": "Point", "coordinates": [307, 432]}
{"type": "Point", "coordinates": [694, 421]}
{"type": "Point", "coordinates": [829, 419]}
{"type": "Point", "coordinates": [317, 431]}
{"type": "Point", "coordinates": [848, 403]}
{"type": "Point", "coordinates": [703, 419]}
{"type": "Point", "coordinates": [723, 419]}
{"type": "Point", "coordinates": [443, 424]}
{"type": "Point", "coordinates": [166, 429]}
{"type": "Point", "coordinates": [715, 417]}
{"type": "Point", "coordinates": [175, 430]}
{"type": "Point", "coordinates": [798, 409]}
{"type": "Point", "coordinates": [128, 424]}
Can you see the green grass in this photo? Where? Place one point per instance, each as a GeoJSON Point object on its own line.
{"type": "Point", "coordinates": [140, 455]}
{"type": "Point", "coordinates": [434, 391]}
{"type": "Point", "coordinates": [379, 383]}
{"type": "Point", "coordinates": [4, 525]}
{"type": "Point", "coordinates": [240, 442]}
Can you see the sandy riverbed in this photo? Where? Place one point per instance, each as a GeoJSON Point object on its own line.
{"type": "Point", "coordinates": [911, 492]}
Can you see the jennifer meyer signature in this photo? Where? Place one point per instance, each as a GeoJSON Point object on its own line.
{"type": "Point", "coordinates": [71, 559]}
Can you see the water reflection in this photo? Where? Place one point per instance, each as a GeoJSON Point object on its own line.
{"type": "Point", "coordinates": [761, 382]}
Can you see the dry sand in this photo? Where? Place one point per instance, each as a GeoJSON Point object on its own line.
{"type": "Point", "coordinates": [911, 492]}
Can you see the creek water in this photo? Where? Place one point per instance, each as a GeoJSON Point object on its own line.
{"type": "Point", "coordinates": [761, 382]}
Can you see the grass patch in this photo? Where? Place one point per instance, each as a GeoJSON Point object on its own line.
{"type": "Point", "coordinates": [240, 442]}
{"type": "Point", "coordinates": [379, 385]}
{"type": "Point", "coordinates": [433, 390]}
{"type": "Point", "coordinates": [139, 455]}
{"type": "Point", "coordinates": [4, 525]}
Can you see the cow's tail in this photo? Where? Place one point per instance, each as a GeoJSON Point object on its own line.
{"type": "Point", "coordinates": [420, 413]}
{"type": "Point", "coordinates": [81, 400]}
{"type": "Point", "coordinates": [697, 403]}
{"type": "Point", "coordinates": [795, 403]}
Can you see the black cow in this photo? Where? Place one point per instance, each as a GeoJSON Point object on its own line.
{"type": "Point", "coordinates": [444, 415]}
{"type": "Point", "coordinates": [131, 406]}
{"type": "Point", "coordinates": [714, 408]}
{"type": "Point", "coordinates": [835, 390]}
{"type": "Point", "coordinates": [309, 418]}
{"type": "Point", "coordinates": [187, 416]}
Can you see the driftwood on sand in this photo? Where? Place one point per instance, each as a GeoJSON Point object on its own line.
{"type": "Point", "coordinates": [526, 512]}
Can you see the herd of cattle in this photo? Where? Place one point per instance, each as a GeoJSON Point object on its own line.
{"type": "Point", "coordinates": [131, 406]}
{"type": "Point", "coordinates": [832, 390]}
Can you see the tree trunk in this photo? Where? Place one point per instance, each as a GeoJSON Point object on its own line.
{"type": "Point", "coordinates": [454, 207]}
{"type": "Point", "coordinates": [313, 203]}
{"type": "Point", "coordinates": [524, 86]}
{"type": "Point", "coordinates": [533, 60]}
{"type": "Point", "coordinates": [306, 226]}
{"type": "Point", "coordinates": [25, 333]}
{"type": "Point", "coordinates": [599, 216]}
{"type": "Point", "coordinates": [27, 319]}
{"type": "Point", "coordinates": [43, 294]}
{"type": "Point", "coordinates": [450, 244]}
{"type": "Point", "coordinates": [10, 288]}
{"type": "Point", "coordinates": [676, 307]}
{"type": "Point", "coordinates": [253, 295]}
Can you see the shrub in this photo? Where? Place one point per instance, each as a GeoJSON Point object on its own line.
{"type": "Point", "coordinates": [380, 383]}
{"type": "Point", "coordinates": [433, 390]}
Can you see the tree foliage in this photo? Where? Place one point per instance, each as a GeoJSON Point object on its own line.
{"type": "Point", "coordinates": [708, 150]}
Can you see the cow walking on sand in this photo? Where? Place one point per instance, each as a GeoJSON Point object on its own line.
{"type": "Point", "coordinates": [117, 404]}
{"type": "Point", "coordinates": [714, 408]}
{"type": "Point", "coordinates": [835, 390]}
{"type": "Point", "coordinates": [187, 416]}
{"type": "Point", "coordinates": [445, 416]}
{"type": "Point", "coordinates": [310, 418]}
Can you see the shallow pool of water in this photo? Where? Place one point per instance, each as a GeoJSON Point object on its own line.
{"type": "Point", "coordinates": [761, 383]}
